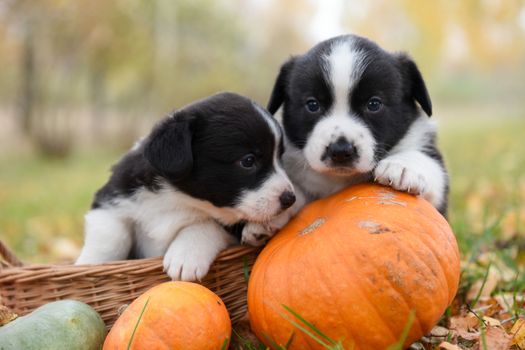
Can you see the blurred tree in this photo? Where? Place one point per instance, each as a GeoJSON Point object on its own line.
{"type": "Point", "coordinates": [28, 76]}
{"type": "Point", "coordinates": [89, 70]}
{"type": "Point", "coordinates": [25, 25]}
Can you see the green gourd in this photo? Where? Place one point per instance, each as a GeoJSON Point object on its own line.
{"type": "Point", "coordinates": [64, 324]}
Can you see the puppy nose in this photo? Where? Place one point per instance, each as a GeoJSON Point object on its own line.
{"type": "Point", "coordinates": [287, 198]}
{"type": "Point", "coordinates": [341, 151]}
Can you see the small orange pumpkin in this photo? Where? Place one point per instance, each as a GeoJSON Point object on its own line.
{"type": "Point", "coordinates": [354, 265]}
{"type": "Point", "coordinates": [178, 315]}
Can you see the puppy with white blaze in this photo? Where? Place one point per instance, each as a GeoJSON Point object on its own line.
{"type": "Point", "coordinates": [209, 165]}
{"type": "Point", "coordinates": [353, 113]}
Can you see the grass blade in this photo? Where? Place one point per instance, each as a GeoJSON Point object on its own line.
{"type": "Point", "coordinates": [478, 295]}
{"type": "Point", "coordinates": [483, 338]}
{"type": "Point", "coordinates": [225, 344]}
{"type": "Point", "coordinates": [289, 342]}
{"type": "Point", "coordinates": [309, 325]}
{"type": "Point", "coordinates": [306, 330]}
{"type": "Point", "coordinates": [246, 270]}
{"type": "Point", "coordinates": [273, 344]}
{"type": "Point", "coordinates": [404, 335]}
{"type": "Point", "coordinates": [137, 324]}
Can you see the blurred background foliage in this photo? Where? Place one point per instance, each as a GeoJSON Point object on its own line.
{"type": "Point", "coordinates": [81, 80]}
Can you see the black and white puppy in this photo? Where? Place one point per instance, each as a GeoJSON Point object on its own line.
{"type": "Point", "coordinates": [349, 114]}
{"type": "Point", "coordinates": [208, 165]}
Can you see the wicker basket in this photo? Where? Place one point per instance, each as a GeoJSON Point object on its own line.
{"type": "Point", "coordinates": [107, 287]}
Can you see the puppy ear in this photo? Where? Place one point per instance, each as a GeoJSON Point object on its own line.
{"type": "Point", "coordinates": [279, 88]}
{"type": "Point", "coordinates": [168, 148]}
{"type": "Point", "coordinates": [418, 89]}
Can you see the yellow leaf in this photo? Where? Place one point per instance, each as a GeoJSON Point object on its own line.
{"type": "Point", "coordinates": [518, 332]}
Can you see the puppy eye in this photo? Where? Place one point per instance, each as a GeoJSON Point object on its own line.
{"type": "Point", "coordinates": [312, 105]}
{"type": "Point", "coordinates": [374, 104]}
{"type": "Point", "coordinates": [248, 161]}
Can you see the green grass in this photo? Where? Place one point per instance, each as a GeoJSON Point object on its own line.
{"type": "Point", "coordinates": [487, 200]}
{"type": "Point", "coordinates": [487, 166]}
{"type": "Point", "coordinates": [43, 201]}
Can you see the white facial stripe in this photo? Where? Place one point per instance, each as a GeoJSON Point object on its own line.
{"type": "Point", "coordinates": [276, 130]}
{"type": "Point", "coordinates": [340, 62]}
{"type": "Point", "coordinates": [345, 65]}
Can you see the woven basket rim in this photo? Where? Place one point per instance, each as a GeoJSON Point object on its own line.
{"type": "Point", "coordinates": [107, 286]}
{"type": "Point", "coordinates": [8, 257]}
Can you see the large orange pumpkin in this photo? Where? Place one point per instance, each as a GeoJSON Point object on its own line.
{"type": "Point", "coordinates": [354, 265]}
{"type": "Point", "coordinates": [179, 315]}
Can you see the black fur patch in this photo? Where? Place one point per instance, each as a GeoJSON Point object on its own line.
{"type": "Point", "coordinates": [198, 151]}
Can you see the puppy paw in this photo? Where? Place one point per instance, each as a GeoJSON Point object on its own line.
{"type": "Point", "coordinates": [416, 173]}
{"type": "Point", "coordinates": [187, 265]}
{"type": "Point", "coordinates": [256, 234]}
{"type": "Point", "coordinates": [403, 176]}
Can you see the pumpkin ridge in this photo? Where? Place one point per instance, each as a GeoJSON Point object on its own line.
{"type": "Point", "coordinates": [430, 248]}
{"type": "Point", "coordinates": [330, 290]}
{"type": "Point", "coordinates": [264, 306]}
{"type": "Point", "coordinates": [374, 306]}
{"type": "Point", "coordinates": [452, 245]}
{"type": "Point", "coordinates": [427, 243]}
{"type": "Point", "coordinates": [402, 293]}
{"type": "Point", "coordinates": [291, 251]}
{"type": "Point", "coordinates": [361, 292]}
{"type": "Point", "coordinates": [423, 233]}
{"type": "Point", "coordinates": [408, 305]}
{"type": "Point", "coordinates": [252, 280]}
{"type": "Point", "coordinates": [289, 297]}
{"type": "Point", "coordinates": [426, 240]}
{"type": "Point", "coordinates": [443, 275]}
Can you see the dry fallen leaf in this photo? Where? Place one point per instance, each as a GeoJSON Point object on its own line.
{"type": "Point", "coordinates": [518, 332]}
{"type": "Point", "coordinates": [448, 346]}
{"type": "Point", "coordinates": [493, 278]}
{"type": "Point", "coordinates": [497, 339]}
{"type": "Point", "coordinates": [492, 322]}
{"type": "Point", "coordinates": [465, 326]}
{"type": "Point", "coordinates": [466, 335]}
{"type": "Point", "coordinates": [465, 323]}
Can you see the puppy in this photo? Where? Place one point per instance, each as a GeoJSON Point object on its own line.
{"type": "Point", "coordinates": [350, 115]}
{"type": "Point", "coordinates": [208, 165]}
